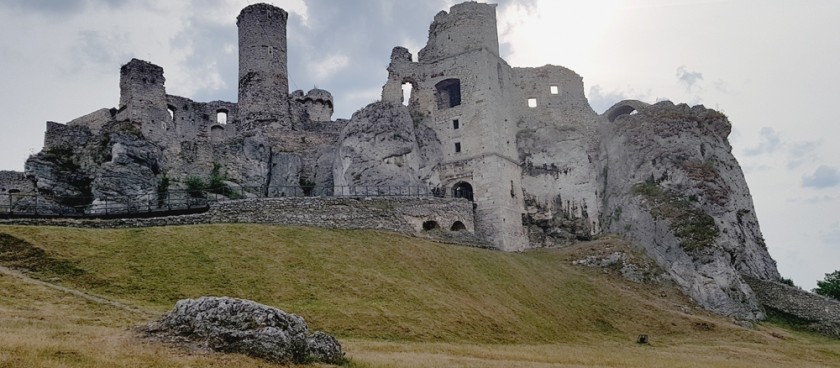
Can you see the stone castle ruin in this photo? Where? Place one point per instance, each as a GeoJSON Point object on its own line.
{"type": "Point", "coordinates": [540, 167]}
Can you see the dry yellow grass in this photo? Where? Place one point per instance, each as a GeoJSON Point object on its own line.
{"type": "Point", "coordinates": [394, 301]}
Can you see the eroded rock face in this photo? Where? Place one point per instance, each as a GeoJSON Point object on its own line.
{"type": "Point", "coordinates": [672, 185]}
{"type": "Point", "coordinates": [246, 327]}
{"type": "Point", "coordinates": [131, 173]}
{"type": "Point", "coordinates": [380, 147]}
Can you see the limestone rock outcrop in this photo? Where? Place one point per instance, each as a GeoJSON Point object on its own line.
{"type": "Point", "coordinates": [671, 184]}
{"type": "Point", "coordinates": [380, 148]}
{"type": "Point", "coordinates": [241, 326]}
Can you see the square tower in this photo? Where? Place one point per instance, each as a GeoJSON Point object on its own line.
{"type": "Point", "coordinates": [463, 88]}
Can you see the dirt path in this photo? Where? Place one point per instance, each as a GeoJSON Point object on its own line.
{"type": "Point", "coordinates": [81, 294]}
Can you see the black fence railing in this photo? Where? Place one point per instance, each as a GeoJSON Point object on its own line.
{"type": "Point", "coordinates": [187, 200]}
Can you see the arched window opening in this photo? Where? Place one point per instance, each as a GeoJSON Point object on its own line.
{"type": "Point", "coordinates": [430, 225]}
{"type": "Point", "coordinates": [458, 226]}
{"type": "Point", "coordinates": [221, 117]}
{"type": "Point", "coordinates": [171, 110]}
{"type": "Point", "coordinates": [406, 90]}
{"type": "Point", "coordinates": [448, 93]}
{"type": "Point", "coordinates": [463, 190]}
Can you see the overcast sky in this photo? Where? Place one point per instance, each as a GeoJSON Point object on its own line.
{"type": "Point", "coordinates": [773, 66]}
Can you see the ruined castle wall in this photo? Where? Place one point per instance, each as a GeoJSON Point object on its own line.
{"type": "Point", "coordinates": [401, 215]}
{"type": "Point", "coordinates": [557, 144]}
{"type": "Point", "coordinates": [15, 182]}
{"type": "Point", "coordinates": [263, 74]}
{"type": "Point", "coordinates": [200, 121]}
{"type": "Point", "coordinates": [95, 120]}
{"type": "Point", "coordinates": [13, 185]}
{"type": "Point", "coordinates": [816, 312]}
{"type": "Point", "coordinates": [60, 135]}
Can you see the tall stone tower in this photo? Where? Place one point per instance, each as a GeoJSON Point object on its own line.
{"type": "Point", "coordinates": [465, 91]}
{"type": "Point", "coordinates": [263, 73]}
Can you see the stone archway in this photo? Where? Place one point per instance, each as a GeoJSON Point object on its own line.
{"type": "Point", "coordinates": [463, 190]}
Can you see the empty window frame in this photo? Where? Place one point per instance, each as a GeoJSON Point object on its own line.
{"type": "Point", "coordinates": [456, 124]}
{"type": "Point", "coordinates": [457, 147]}
{"type": "Point", "coordinates": [448, 93]}
{"type": "Point", "coordinates": [221, 117]}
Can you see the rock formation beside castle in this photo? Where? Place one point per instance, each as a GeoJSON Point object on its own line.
{"type": "Point", "coordinates": [523, 144]}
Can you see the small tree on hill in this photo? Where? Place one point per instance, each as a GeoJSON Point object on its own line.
{"type": "Point", "coordinates": [829, 287]}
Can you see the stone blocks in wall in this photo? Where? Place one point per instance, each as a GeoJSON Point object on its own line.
{"type": "Point", "coordinates": [397, 214]}
{"type": "Point", "coordinates": [60, 135]}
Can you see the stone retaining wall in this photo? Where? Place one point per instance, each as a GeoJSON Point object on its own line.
{"type": "Point", "coordinates": [817, 312]}
{"type": "Point", "coordinates": [402, 215]}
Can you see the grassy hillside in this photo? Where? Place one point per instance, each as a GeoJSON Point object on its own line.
{"type": "Point", "coordinates": [395, 301]}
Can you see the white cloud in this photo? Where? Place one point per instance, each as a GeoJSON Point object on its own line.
{"type": "Point", "coordinates": [832, 235]}
{"type": "Point", "coordinates": [688, 78]}
{"type": "Point", "coordinates": [326, 68]}
{"type": "Point", "coordinates": [823, 177]}
{"type": "Point", "coordinates": [769, 142]}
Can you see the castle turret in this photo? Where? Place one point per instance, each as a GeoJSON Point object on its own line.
{"type": "Point", "coordinates": [319, 105]}
{"type": "Point", "coordinates": [263, 74]}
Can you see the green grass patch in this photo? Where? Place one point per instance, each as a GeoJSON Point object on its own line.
{"type": "Point", "coordinates": [360, 284]}
{"type": "Point", "coordinates": [393, 301]}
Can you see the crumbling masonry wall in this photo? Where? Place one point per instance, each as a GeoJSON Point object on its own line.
{"type": "Point", "coordinates": [400, 215]}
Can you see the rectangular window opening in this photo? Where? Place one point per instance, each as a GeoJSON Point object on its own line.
{"type": "Point", "coordinates": [456, 124]}
{"type": "Point", "coordinates": [457, 147]}
{"type": "Point", "coordinates": [555, 90]}
{"type": "Point", "coordinates": [532, 102]}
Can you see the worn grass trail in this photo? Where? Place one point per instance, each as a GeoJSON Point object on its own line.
{"type": "Point", "coordinates": [395, 301]}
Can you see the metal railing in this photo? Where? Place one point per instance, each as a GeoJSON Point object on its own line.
{"type": "Point", "coordinates": [185, 201]}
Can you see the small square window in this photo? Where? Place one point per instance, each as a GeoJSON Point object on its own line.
{"type": "Point", "coordinates": [555, 90]}
{"type": "Point", "coordinates": [532, 102]}
{"type": "Point", "coordinates": [456, 124]}
{"type": "Point", "coordinates": [457, 147]}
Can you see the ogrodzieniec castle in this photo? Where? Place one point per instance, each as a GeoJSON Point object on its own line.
{"type": "Point", "coordinates": [510, 157]}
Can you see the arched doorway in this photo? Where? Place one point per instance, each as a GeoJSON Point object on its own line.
{"type": "Point", "coordinates": [463, 190]}
{"type": "Point", "coordinates": [458, 226]}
